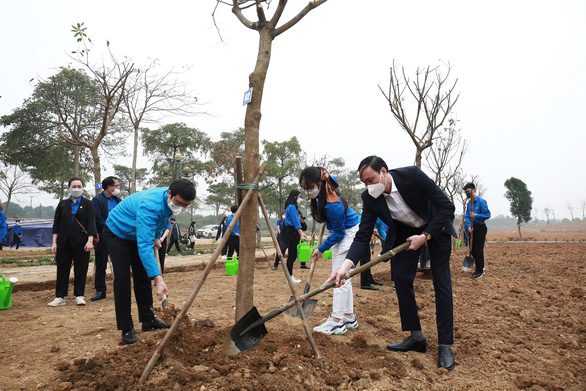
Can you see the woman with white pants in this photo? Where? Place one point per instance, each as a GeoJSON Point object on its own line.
{"type": "Point", "coordinates": [329, 207]}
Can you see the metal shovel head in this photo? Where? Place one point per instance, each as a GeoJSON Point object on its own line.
{"type": "Point", "coordinates": [237, 343]}
{"type": "Point", "coordinates": [468, 263]}
{"type": "Point", "coordinates": [307, 305]}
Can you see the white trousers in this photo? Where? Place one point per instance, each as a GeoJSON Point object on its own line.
{"type": "Point", "coordinates": [343, 302]}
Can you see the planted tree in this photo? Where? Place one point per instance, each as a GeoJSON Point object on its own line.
{"type": "Point", "coordinates": [127, 176]}
{"type": "Point", "coordinates": [521, 201]}
{"type": "Point", "coordinates": [14, 181]}
{"type": "Point", "coordinates": [268, 29]}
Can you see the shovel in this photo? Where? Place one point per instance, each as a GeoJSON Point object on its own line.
{"type": "Point", "coordinates": [308, 305]}
{"type": "Point", "coordinates": [250, 329]}
{"type": "Point", "coordinates": [468, 262]}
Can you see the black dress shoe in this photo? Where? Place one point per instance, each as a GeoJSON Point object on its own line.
{"type": "Point", "coordinates": [99, 295]}
{"type": "Point", "coordinates": [304, 266]}
{"type": "Point", "coordinates": [375, 282]}
{"type": "Point", "coordinates": [369, 287]}
{"type": "Point", "coordinates": [128, 337]}
{"type": "Point", "coordinates": [445, 358]}
{"type": "Point", "coordinates": [408, 344]}
{"type": "Point", "coordinates": [155, 324]}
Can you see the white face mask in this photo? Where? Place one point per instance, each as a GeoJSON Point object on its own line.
{"type": "Point", "coordinates": [313, 192]}
{"type": "Point", "coordinates": [76, 192]}
{"type": "Point", "coordinates": [174, 208]}
{"type": "Point", "coordinates": [116, 192]}
{"type": "Point", "coordinates": [376, 189]}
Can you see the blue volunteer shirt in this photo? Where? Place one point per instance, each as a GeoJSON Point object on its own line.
{"type": "Point", "coordinates": [236, 229]}
{"type": "Point", "coordinates": [337, 223]}
{"type": "Point", "coordinates": [481, 210]}
{"type": "Point", "coordinates": [292, 217]}
{"type": "Point", "coordinates": [74, 206]}
{"type": "Point", "coordinates": [141, 217]}
{"type": "Point", "coordinates": [112, 202]}
{"type": "Point", "coordinates": [381, 228]}
{"type": "Point", "coordinates": [17, 230]}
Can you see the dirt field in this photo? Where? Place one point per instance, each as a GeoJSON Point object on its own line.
{"type": "Point", "coordinates": [523, 326]}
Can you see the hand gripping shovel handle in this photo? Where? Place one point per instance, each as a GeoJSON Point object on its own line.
{"type": "Point", "coordinates": [384, 257]}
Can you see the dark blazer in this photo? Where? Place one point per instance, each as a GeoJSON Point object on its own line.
{"type": "Point", "coordinates": [421, 194]}
{"type": "Point", "coordinates": [101, 210]}
{"type": "Point", "coordinates": [68, 231]}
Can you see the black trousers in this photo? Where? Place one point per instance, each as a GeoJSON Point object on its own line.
{"type": "Point", "coordinates": [100, 265]}
{"type": "Point", "coordinates": [293, 238]}
{"type": "Point", "coordinates": [162, 253]}
{"type": "Point", "coordinates": [478, 241]}
{"type": "Point", "coordinates": [173, 241]}
{"type": "Point", "coordinates": [366, 277]}
{"type": "Point", "coordinates": [66, 255]}
{"type": "Point", "coordinates": [283, 247]}
{"type": "Point", "coordinates": [233, 245]}
{"type": "Point", "coordinates": [15, 241]}
{"type": "Point", "coordinates": [124, 255]}
{"type": "Point", "coordinates": [404, 266]}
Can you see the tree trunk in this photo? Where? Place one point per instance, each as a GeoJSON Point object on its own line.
{"type": "Point", "coordinates": [8, 198]}
{"type": "Point", "coordinates": [134, 157]}
{"type": "Point", "coordinates": [280, 196]}
{"type": "Point", "coordinates": [245, 283]}
{"type": "Point", "coordinates": [519, 228]}
{"type": "Point", "coordinates": [76, 159]}
{"type": "Point", "coordinates": [418, 154]}
{"type": "Point", "coordinates": [96, 168]}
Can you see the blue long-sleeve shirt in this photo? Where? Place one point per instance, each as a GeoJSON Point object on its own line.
{"type": "Point", "coordinates": [17, 230]}
{"type": "Point", "coordinates": [292, 217]}
{"type": "Point", "coordinates": [141, 217]}
{"type": "Point", "coordinates": [236, 229]}
{"type": "Point", "coordinates": [481, 210]}
{"type": "Point", "coordinates": [3, 226]}
{"type": "Point", "coordinates": [337, 222]}
{"type": "Point", "coordinates": [381, 228]}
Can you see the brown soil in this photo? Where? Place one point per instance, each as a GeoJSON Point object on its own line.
{"type": "Point", "coordinates": [574, 231]}
{"type": "Point", "coordinates": [522, 326]}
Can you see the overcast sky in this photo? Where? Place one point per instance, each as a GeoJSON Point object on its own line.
{"type": "Point", "coordinates": [520, 64]}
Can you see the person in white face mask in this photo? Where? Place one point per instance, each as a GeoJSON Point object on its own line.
{"type": "Point", "coordinates": [415, 209]}
{"type": "Point", "coordinates": [74, 228]}
{"type": "Point", "coordinates": [104, 202]}
{"type": "Point", "coordinates": [131, 235]}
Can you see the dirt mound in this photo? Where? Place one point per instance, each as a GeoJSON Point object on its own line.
{"type": "Point", "coordinates": [195, 359]}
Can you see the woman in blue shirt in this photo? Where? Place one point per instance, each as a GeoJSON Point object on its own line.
{"type": "Point", "coordinates": [293, 230]}
{"type": "Point", "coordinates": [280, 238]}
{"type": "Point", "coordinates": [327, 206]}
{"type": "Point", "coordinates": [3, 226]}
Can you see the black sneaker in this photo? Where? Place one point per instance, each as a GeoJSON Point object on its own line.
{"type": "Point", "coordinates": [128, 337]}
{"type": "Point", "coordinates": [477, 275]}
{"type": "Point", "coordinates": [155, 324]}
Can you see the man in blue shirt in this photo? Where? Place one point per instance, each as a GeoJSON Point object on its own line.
{"type": "Point", "coordinates": [103, 204]}
{"type": "Point", "coordinates": [16, 234]}
{"type": "Point", "coordinates": [474, 224]}
{"type": "Point", "coordinates": [131, 234]}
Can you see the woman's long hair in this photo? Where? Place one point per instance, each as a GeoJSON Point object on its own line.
{"type": "Point", "coordinates": [292, 198]}
{"type": "Point", "coordinates": [313, 175]}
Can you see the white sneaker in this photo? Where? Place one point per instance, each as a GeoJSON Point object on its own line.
{"type": "Point", "coordinates": [79, 300]}
{"type": "Point", "coordinates": [57, 302]}
{"type": "Point", "coordinates": [223, 257]}
{"type": "Point", "coordinates": [295, 280]}
{"type": "Point", "coordinates": [330, 327]}
{"type": "Point", "coordinates": [350, 322]}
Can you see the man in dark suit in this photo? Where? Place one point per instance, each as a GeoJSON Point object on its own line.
{"type": "Point", "coordinates": [416, 210]}
{"type": "Point", "coordinates": [103, 204]}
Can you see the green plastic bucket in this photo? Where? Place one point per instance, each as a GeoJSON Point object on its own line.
{"type": "Point", "coordinates": [304, 252]}
{"type": "Point", "coordinates": [328, 254]}
{"type": "Point", "coordinates": [231, 266]}
{"type": "Point", "coordinates": [5, 293]}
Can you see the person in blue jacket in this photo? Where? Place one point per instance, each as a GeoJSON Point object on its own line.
{"type": "Point", "coordinates": [131, 234]}
{"type": "Point", "coordinates": [293, 230]}
{"type": "Point", "coordinates": [3, 226]}
{"type": "Point", "coordinates": [16, 234]}
{"type": "Point", "coordinates": [233, 243]}
{"type": "Point", "coordinates": [327, 206]}
{"type": "Point", "coordinates": [474, 222]}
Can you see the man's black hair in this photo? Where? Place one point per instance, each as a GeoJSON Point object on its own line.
{"type": "Point", "coordinates": [184, 187]}
{"type": "Point", "coordinates": [372, 161]}
{"type": "Point", "coordinates": [173, 219]}
{"type": "Point", "coordinates": [233, 208]}
{"type": "Point", "coordinates": [469, 185]}
{"type": "Point", "coordinates": [109, 181]}
{"type": "Point", "coordinates": [75, 178]}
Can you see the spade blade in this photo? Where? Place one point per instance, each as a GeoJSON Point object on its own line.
{"type": "Point", "coordinates": [237, 343]}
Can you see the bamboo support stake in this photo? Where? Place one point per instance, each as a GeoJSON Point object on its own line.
{"type": "Point", "coordinates": [289, 281]}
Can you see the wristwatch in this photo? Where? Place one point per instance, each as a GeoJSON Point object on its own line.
{"type": "Point", "coordinates": [427, 235]}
